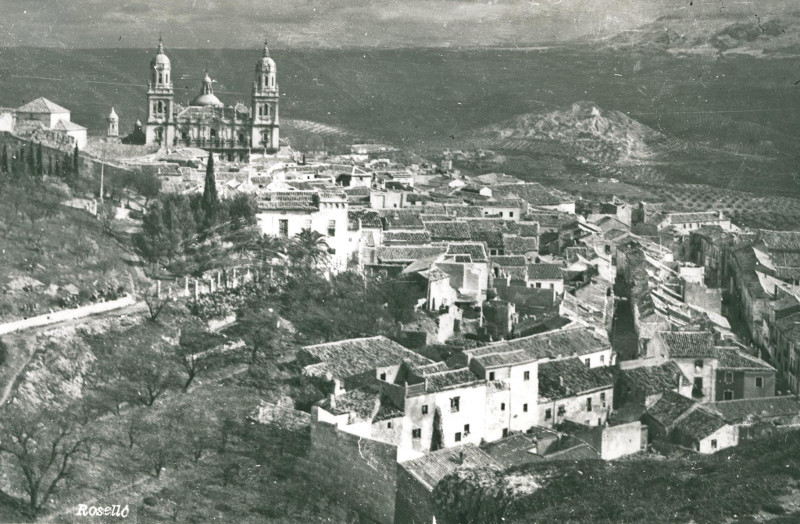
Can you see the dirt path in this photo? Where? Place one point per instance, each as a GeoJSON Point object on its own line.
{"type": "Point", "coordinates": [21, 346]}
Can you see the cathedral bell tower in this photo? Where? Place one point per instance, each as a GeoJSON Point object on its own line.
{"type": "Point", "coordinates": [160, 121]}
{"type": "Point", "coordinates": [265, 131]}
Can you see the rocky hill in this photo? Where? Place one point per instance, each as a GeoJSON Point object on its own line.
{"type": "Point", "coordinates": [582, 131]}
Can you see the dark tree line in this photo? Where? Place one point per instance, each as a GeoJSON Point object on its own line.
{"type": "Point", "coordinates": [28, 161]}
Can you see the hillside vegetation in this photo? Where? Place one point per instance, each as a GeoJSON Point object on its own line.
{"type": "Point", "coordinates": [756, 480]}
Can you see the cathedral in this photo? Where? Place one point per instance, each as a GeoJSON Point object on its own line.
{"type": "Point", "coordinates": [206, 122]}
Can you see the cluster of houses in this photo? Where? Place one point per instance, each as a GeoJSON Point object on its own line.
{"type": "Point", "coordinates": [42, 120]}
{"type": "Point", "coordinates": [510, 359]}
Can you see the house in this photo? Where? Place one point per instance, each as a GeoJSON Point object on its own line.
{"type": "Point", "coordinates": [756, 418]}
{"type": "Point", "coordinates": [353, 362]}
{"type": "Point", "coordinates": [717, 372]}
{"type": "Point", "coordinates": [285, 214]}
{"type": "Point", "coordinates": [704, 431]}
{"type": "Point", "coordinates": [417, 478]}
{"type": "Point", "coordinates": [42, 115]}
{"type": "Point", "coordinates": [571, 390]}
{"type": "Point", "coordinates": [644, 384]}
{"type": "Point", "coordinates": [546, 276]}
{"type": "Point", "coordinates": [686, 222]}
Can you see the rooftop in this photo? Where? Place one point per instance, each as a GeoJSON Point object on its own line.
{"type": "Point", "coordinates": [544, 272]}
{"type": "Point", "coordinates": [653, 379]}
{"type": "Point", "coordinates": [346, 358]}
{"type": "Point", "coordinates": [433, 467]}
{"type": "Point", "coordinates": [770, 407]}
{"type": "Point", "coordinates": [688, 344]}
{"type": "Point", "coordinates": [669, 407]}
{"type": "Point", "coordinates": [699, 424]}
{"type": "Point", "coordinates": [570, 377]}
{"type": "Point", "coordinates": [570, 341]}
{"type": "Point", "coordinates": [42, 105]}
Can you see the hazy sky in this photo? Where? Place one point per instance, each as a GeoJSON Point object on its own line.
{"type": "Point", "coordinates": [338, 23]}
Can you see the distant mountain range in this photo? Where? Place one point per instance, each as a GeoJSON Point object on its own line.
{"type": "Point", "coordinates": [751, 35]}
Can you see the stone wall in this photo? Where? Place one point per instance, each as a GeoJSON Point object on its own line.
{"type": "Point", "coordinates": [360, 470]}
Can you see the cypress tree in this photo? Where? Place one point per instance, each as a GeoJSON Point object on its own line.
{"type": "Point", "coordinates": [209, 202]}
{"type": "Point", "coordinates": [39, 160]}
{"type": "Point", "coordinates": [50, 166]}
{"type": "Point", "coordinates": [75, 162]}
{"type": "Point", "coordinates": [31, 160]}
{"type": "Point", "coordinates": [5, 159]}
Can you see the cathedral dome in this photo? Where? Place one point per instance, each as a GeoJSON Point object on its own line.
{"type": "Point", "coordinates": [206, 96]}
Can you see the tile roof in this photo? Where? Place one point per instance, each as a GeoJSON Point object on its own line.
{"type": "Point", "coordinates": [402, 219]}
{"type": "Point", "coordinates": [433, 467]}
{"type": "Point", "coordinates": [400, 254]}
{"type": "Point", "coordinates": [66, 125]}
{"type": "Point", "coordinates": [743, 409]}
{"type": "Point", "coordinates": [570, 341]}
{"type": "Point", "coordinates": [699, 424]}
{"type": "Point", "coordinates": [361, 403]}
{"type": "Point", "coordinates": [653, 379]}
{"type": "Point", "coordinates": [42, 105]}
{"type": "Point", "coordinates": [571, 377]}
{"type": "Point", "coordinates": [687, 218]}
{"type": "Point", "coordinates": [476, 251]}
{"type": "Point", "coordinates": [533, 193]}
{"type": "Point", "coordinates": [464, 211]}
{"type": "Point", "coordinates": [448, 230]}
{"type": "Point", "coordinates": [450, 379]}
{"type": "Point", "coordinates": [688, 344]}
{"type": "Point", "coordinates": [529, 229]}
{"type": "Point", "coordinates": [544, 272]}
{"type": "Point", "coordinates": [406, 237]}
{"type": "Point", "coordinates": [291, 200]}
{"type": "Point", "coordinates": [520, 245]}
{"type": "Point", "coordinates": [780, 240]}
{"type": "Point", "coordinates": [669, 407]}
{"type": "Point", "coordinates": [509, 261]}
{"type": "Point", "coordinates": [347, 358]}
{"type": "Point", "coordinates": [732, 358]}
{"type": "Point", "coordinates": [368, 217]}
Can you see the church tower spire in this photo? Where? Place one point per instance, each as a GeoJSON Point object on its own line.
{"type": "Point", "coordinates": [265, 123]}
{"type": "Point", "coordinates": [160, 124]}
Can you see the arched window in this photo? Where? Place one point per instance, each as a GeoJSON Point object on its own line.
{"type": "Point", "coordinates": [160, 78]}
{"type": "Point", "coordinates": [160, 107]}
{"type": "Point", "coordinates": [266, 110]}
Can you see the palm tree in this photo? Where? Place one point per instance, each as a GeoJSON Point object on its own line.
{"type": "Point", "coordinates": [308, 248]}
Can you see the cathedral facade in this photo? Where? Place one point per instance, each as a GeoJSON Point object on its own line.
{"type": "Point", "coordinates": [206, 123]}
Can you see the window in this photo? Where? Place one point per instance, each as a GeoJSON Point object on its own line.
{"type": "Point", "coordinates": [698, 387]}
{"type": "Point", "coordinates": [714, 444]}
{"type": "Point", "coordinates": [283, 227]}
{"type": "Point", "coordinates": [491, 375]}
{"type": "Point", "coordinates": [698, 366]}
{"type": "Point", "coordinates": [589, 404]}
{"type": "Point", "coordinates": [416, 433]}
{"type": "Point", "coordinates": [727, 395]}
{"type": "Point", "coordinates": [502, 406]}
{"type": "Point", "coordinates": [425, 409]}
{"type": "Point", "coordinates": [602, 359]}
{"type": "Point", "coordinates": [383, 376]}
{"type": "Point", "coordinates": [539, 284]}
{"type": "Point", "coordinates": [759, 382]}
{"type": "Point", "coordinates": [728, 377]}
{"type": "Point", "coordinates": [603, 399]}
{"type": "Point", "coordinates": [510, 214]}
{"type": "Point", "coordinates": [331, 228]}
{"type": "Point", "coordinates": [455, 404]}
{"type": "Point", "coordinates": [588, 362]}
{"type": "Point", "coordinates": [561, 411]}
{"type": "Point", "coordinates": [526, 375]}
{"type": "Point", "coordinates": [525, 408]}
{"type": "Point", "coordinates": [389, 425]}
{"type": "Point", "coordinates": [548, 414]}
{"type": "Point", "coordinates": [458, 436]}
{"type": "Point", "coordinates": [466, 429]}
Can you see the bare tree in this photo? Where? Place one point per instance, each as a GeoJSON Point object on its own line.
{"type": "Point", "coordinates": [155, 304]}
{"type": "Point", "coordinates": [42, 449]}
